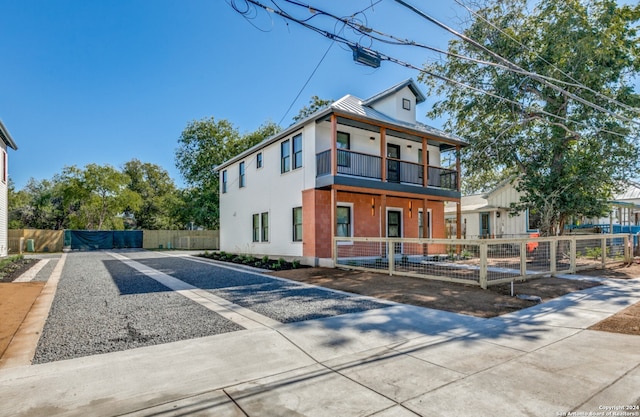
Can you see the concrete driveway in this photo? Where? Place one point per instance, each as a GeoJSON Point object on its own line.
{"type": "Point", "coordinates": [300, 350]}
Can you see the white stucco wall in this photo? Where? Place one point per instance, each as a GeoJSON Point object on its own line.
{"type": "Point", "coordinates": [392, 105]}
{"type": "Point", "coordinates": [361, 142]}
{"type": "Point", "coordinates": [4, 208]}
{"type": "Point", "coordinates": [267, 190]}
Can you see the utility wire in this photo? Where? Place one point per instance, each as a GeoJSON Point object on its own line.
{"type": "Point", "coordinates": [306, 82]}
{"type": "Point", "coordinates": [341, 39]}
{"type": "Point", "coordinates": [512, 65]}
{"type": "Point", "coordinates": [366, 31]}
{"type": "Point", "coordinates": [575, 83]}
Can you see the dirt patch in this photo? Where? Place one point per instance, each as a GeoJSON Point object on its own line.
{"type": "Point", "coordinates": [619, 271]}
{"type": "Point", "coordinates": [626, 321]}
{"type": "Point", "coordinates": [16, 300]}
{"type": "Point", "coordinates": [457, 298]}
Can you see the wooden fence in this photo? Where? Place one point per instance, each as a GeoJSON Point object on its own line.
{"type": "Point", "coordinates": [34, 240]}
{"type": "Point", "coordinates": [482, 262]}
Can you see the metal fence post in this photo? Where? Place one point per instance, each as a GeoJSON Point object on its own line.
{"type": "Point", "coordinates": [603, 247]}
{"type": "Point", "coordinates": [392, 255]}
{"type": "Point", "coordinates": [483, 265]}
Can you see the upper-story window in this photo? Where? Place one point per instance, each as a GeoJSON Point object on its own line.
{"type": "Point", "coordinates": [259, 160]}
{"type": "Point", "coordinates": [343, 140]}
{"type": "Point", "coordinates": [285, 156]}
{"type": "Point", "coordinates": [297, 151]}
{"type": "Point", "coordinates": [242, 179]}
{"type": "Point", "coordinates": [406, 104]}
{"type": "Point", "coordinates": [224, 181]}
{"type": "Point", "coordinates": [291, 154]}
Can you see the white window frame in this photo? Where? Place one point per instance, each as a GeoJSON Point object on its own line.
{"type": "Point", "coordinates": [351, 222]}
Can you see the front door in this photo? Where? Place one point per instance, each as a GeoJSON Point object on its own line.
{"type": "Point", "coordinates": [394, 228]}
{"type": "Point", "coordinates": [485, 229]}
{"type": "Point", "coordinates": [393, 164]}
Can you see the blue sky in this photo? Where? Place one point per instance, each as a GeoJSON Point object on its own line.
{"type": "Point", "coordinates": [107, 81]}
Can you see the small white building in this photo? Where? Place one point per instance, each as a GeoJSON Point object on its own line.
{"type": "Point", "coordinates": [363, 168]}
{"type": "Point", "coordinates": [488, 215]}
{"type": "Point", "coordinates": [6, 141]}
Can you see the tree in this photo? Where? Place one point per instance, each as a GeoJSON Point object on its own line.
{"type": "Point", "coordinates": [571, 139]}
{"type": "Point", "coordinates": [96, 197]}
{"type": "Point", "coordinates": [315, 104]}
{"type": "Point", "coordinates": [203, 145]}
{"type": "Point", "coordinates": [158, 193]}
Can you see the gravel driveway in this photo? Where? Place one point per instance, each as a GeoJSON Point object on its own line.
{"type": "Point", "coordinates": [103, 305]}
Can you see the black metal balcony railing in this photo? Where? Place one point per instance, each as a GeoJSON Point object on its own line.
{"type": "Point", "coordinates": [369, 166]}
{"type": "Point", "coordinates": [443, 178]}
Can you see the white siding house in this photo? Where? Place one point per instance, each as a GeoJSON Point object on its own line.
{"type": "Point", "coordinates": [6, 141]}
{"type": "Point", "coordinates": [488, 215]}
{"type": "Point", "coordinates": [355, 168]}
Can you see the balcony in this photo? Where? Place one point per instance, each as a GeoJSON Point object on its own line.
{"type": "Point", "coordinates": [396, 171]}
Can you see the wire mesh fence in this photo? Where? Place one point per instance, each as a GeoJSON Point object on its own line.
{"type": "Point", "coordinates": [481, 262]}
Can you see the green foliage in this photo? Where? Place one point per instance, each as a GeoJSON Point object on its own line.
{"type": "Point", "coordinates": [315, 104]}
{"type": "Point", "coordinates": [594, 252]}
{"type": "Point", "coordinates": [203, 145]}
{"type": "Point", "coordinates": [158, 193]}
{"type": "Point", "coordinates": [569, 158]}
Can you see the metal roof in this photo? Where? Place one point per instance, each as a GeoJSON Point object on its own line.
{"type": "Point", "coordinates": [632, 192]}
{"type": "Point", "coordinates": [6, 137]}
{"type": "Point", "coordinates": [392, 90]}
{"type": "Point", "coordinates": [353, 106]}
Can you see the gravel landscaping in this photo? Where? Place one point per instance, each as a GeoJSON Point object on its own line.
{"type": "Point", "coordinates": [102, 305]}
{"type": "Point", "coordinates": [283, 301]}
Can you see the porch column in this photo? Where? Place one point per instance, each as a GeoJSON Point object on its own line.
{"type": "Point", "coordinates": [334, 225]}
{"type": "Point", "coordinates": [458, 217]}
{"type": "Point", "coordinates": [425, 164]}
{"type": "Point", "coordinates": [425, 217]}
{"type": "Point", "coordinates": [334, 145]}
{"type": "Point", "coordinates": [383, 155]}
{"type": "Point", "coordinates": [458, 175]}
{"type": "Point", "coordinates": [383, 215]}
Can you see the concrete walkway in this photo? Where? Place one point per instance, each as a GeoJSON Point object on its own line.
{"type": "Point", "coordinates": [395, 361]}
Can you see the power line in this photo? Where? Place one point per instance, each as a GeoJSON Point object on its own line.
{"type": "Point", "coordinates": [385, 57]}
{"type": "Point", "coordinates": [511, 64]}
{"type": "Point", "coordinates": [366, 31]}
{"type": "Point", "coordinates": [306, 82]}
{"type": "Point", "coordinates": [575, 83]}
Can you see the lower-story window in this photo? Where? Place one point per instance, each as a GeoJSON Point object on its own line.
{"type": "Point", "coordinates": [343, 217]}
{"type": "Point", "coordinates": [265, 226]}
{"type": "Point", "coordinates": [260, 227]}
{"type": "Point", "coordinates": [256, 228]}
{"type": "Point", "coordinates": [297, 224]}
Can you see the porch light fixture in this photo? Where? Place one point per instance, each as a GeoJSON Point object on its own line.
{"type": "Point", "coordinates": [409, 146]}
{"type": "Point", "coordinates": [372, 138]}
{"type": "Point", "coordinates": [373, 207]}
{"type": "Point", "coordinates": [410, 209]}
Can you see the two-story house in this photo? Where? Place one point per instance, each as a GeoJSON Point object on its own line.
{"type": "Point", "coordinates": [357, 168]}
{"type": "Point", "coordinates": [6, 141]}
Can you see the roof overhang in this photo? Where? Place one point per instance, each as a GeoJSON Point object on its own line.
{"type": "Point", "coordinates": [6, 137]}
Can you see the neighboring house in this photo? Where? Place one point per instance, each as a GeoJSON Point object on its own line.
{"type": "Point", "coordinates": [487, 215]}
{"type": "Point", "coordinates": [6, 141]}
{"type": "Point", "coordinates": [625, 209]}
{"type": "Point", "coordinates": [357, 168]}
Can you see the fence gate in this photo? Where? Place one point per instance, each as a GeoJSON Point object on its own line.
{"type": "Point", "coordinates": [102, 239]}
